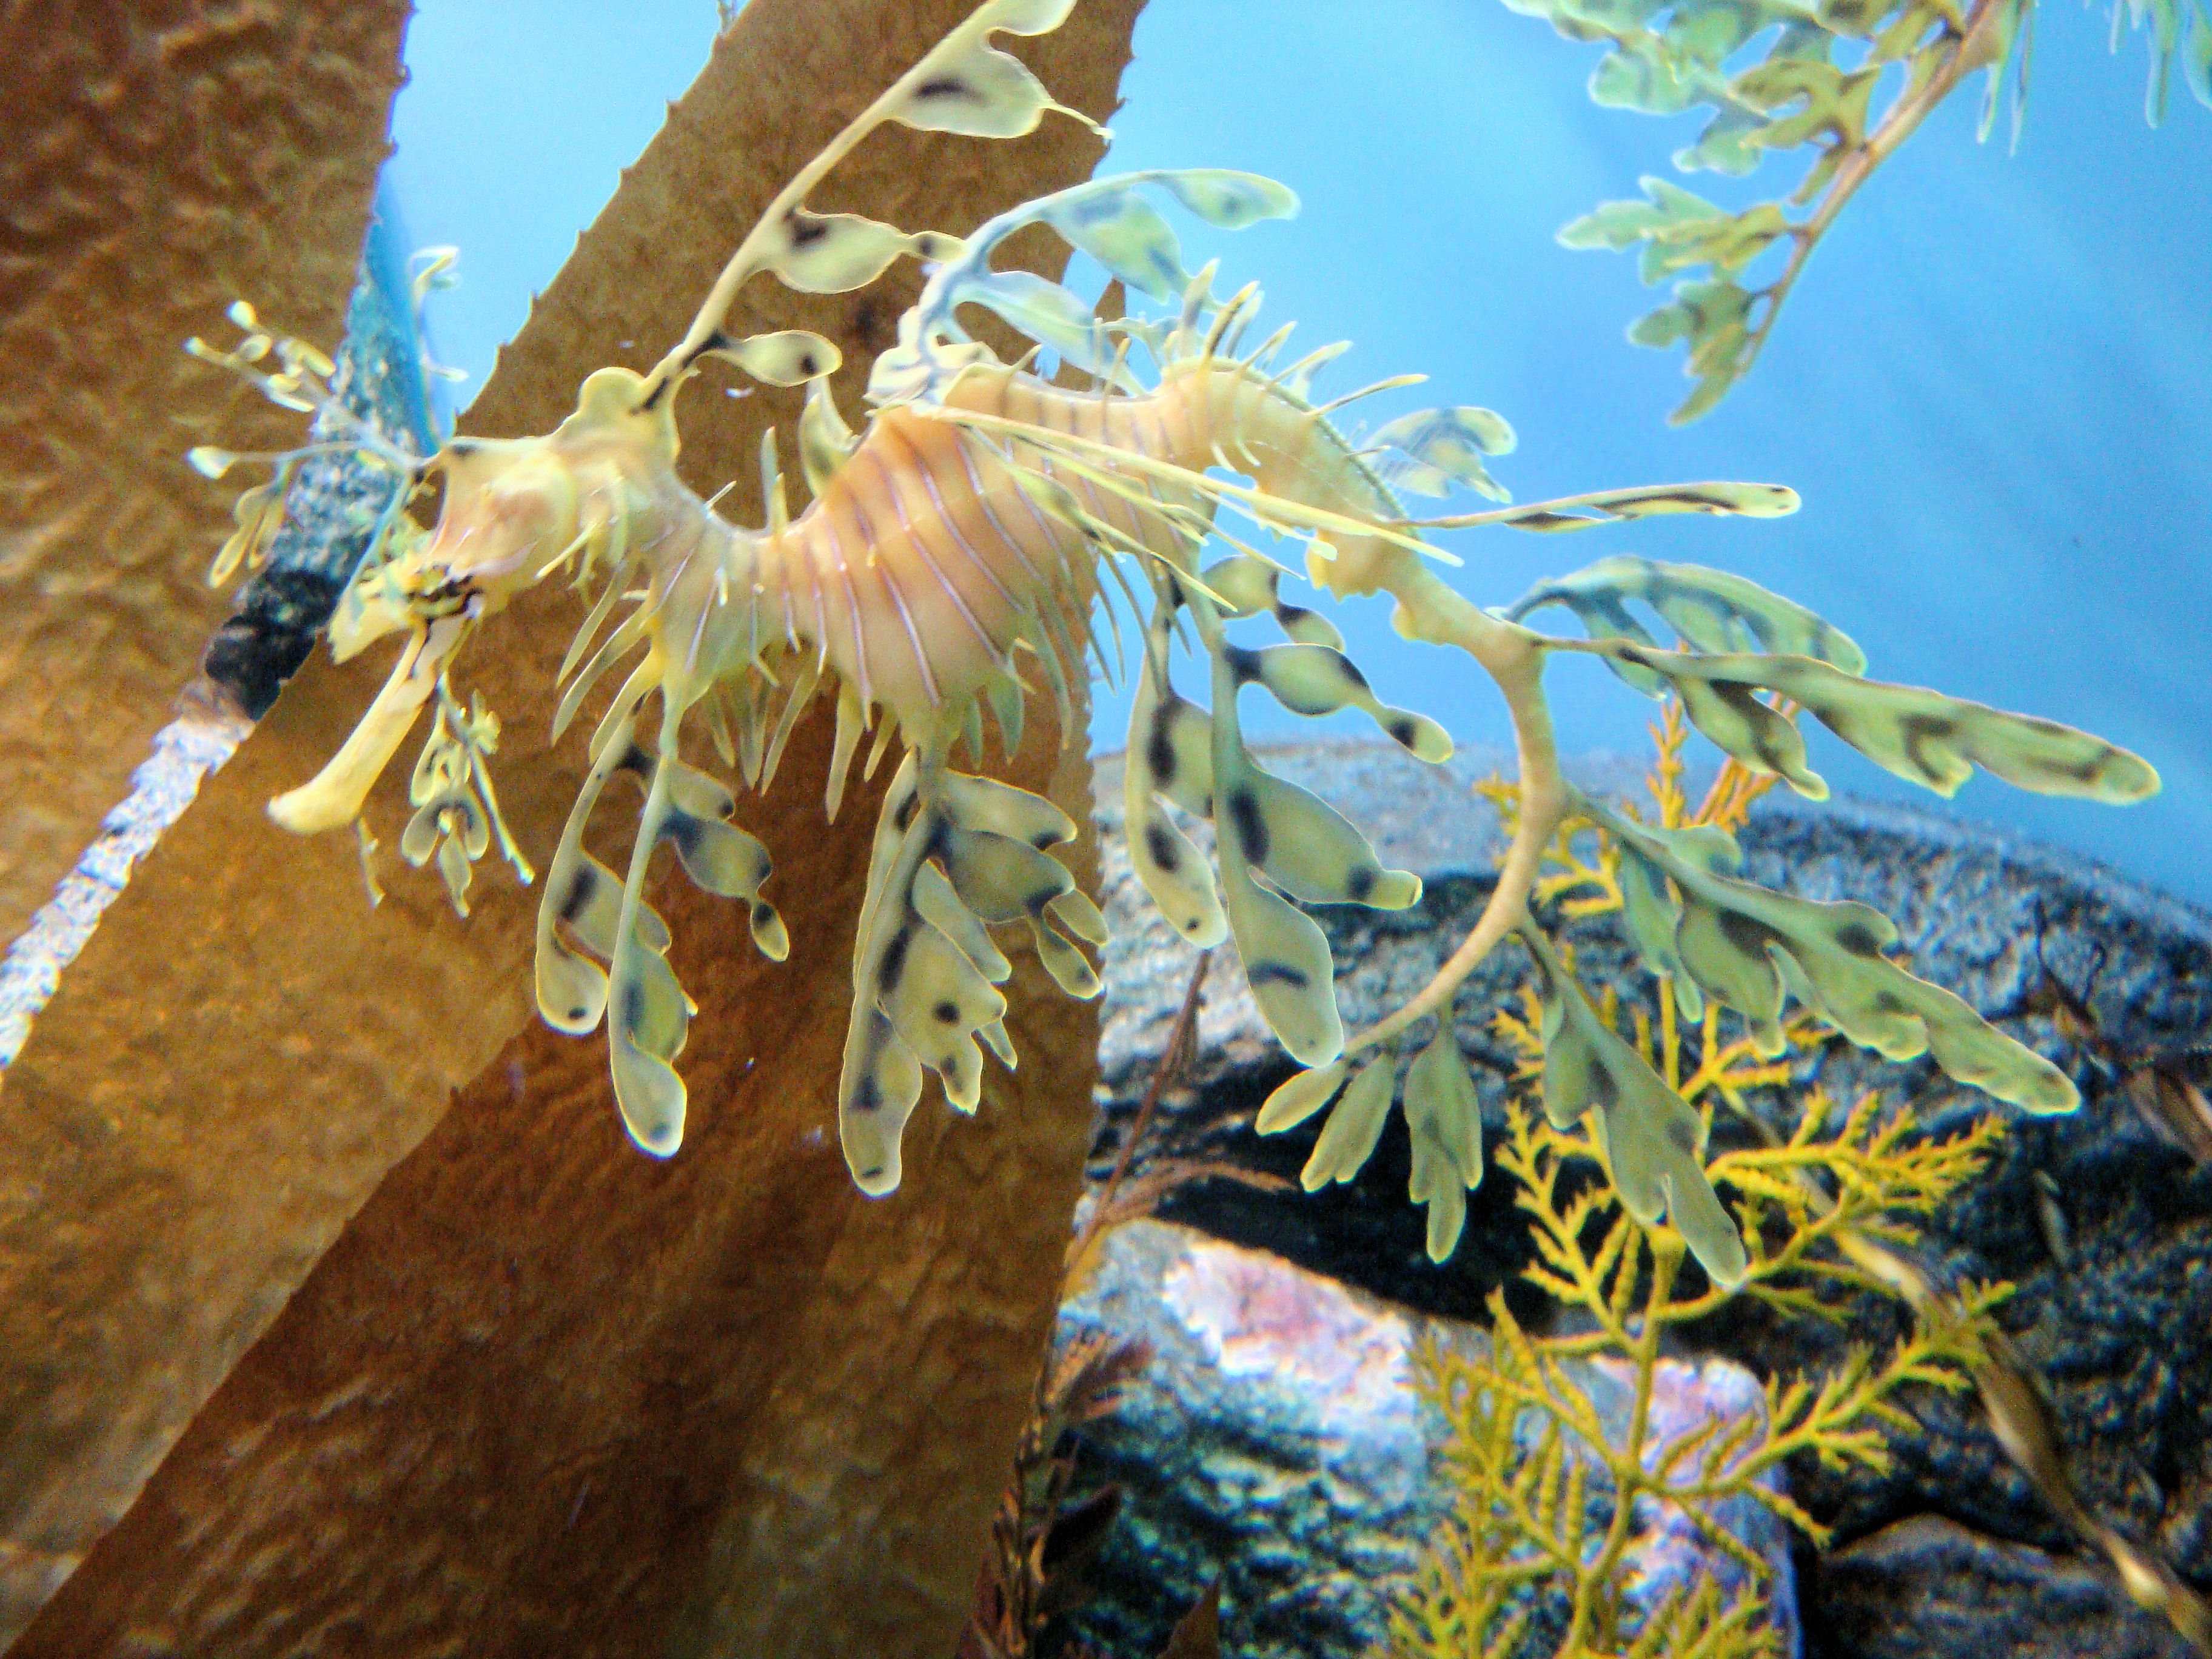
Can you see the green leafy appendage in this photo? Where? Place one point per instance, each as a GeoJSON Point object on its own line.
{"type": "Point", "coordinates": [1817, 86]}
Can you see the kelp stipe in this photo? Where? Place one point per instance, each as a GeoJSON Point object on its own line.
{"type": "Point", "coordinates": [947, 567]}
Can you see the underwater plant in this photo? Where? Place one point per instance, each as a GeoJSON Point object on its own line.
{"type": "Point", "coordinates": [1554, 1484]}
{"type": "Point", "coordinates": [1815, 87]}
{"type": "Point", "coordinates": [951, 559]}
{"type": "Point", "coordinates": [1563, 1464]}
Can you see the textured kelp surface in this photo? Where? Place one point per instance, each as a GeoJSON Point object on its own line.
{"type": "Point", "coordinates": [792, 1407]}
{"type": "Point", "coordinates": [159, 159]}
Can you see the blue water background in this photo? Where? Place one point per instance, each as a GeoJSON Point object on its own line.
{"type": "Point", "coordinates": [1993, 385]}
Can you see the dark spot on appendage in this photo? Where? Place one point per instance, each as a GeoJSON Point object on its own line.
{"type": "Point", "coordinates": [1176, 599]}
{"type": "Point", "coordinates": [634, 759]}
{"type": "Point", "coordinates": [1035, 902]}
{"type": "Point", "coordinates": [1683, 1136]}
{"type": "Point", "coordinates": [1360, 884]}
{"type": "Point", "coordinates": [807, 366]}
{"type": "Point", "coordinates": [893, 964]}
{"type": "Point", "coordinates": [804, 229]}
{"type": "Point", "coordinates": [1251, 828]}
{"type": "Point", "coordinates": [1403, 732]}
{"type": "Point", "coordinates": [1918, 731]}
{"type": "Point", "coordinates": [949, 86]}
{"type": "Point", "coordinates": [1290, 616]}
{"type": "Point", "coordinates": [946, 1012]}
{"type": "Point", "coordinates": [579, 894]}
{"type": "Point", "coordinates": [763, 915]}
{"type": "Point", "coordinates": [577, 1012]}
{"type": "Point", "coordinates": [1351, 671]}
{"type": "Point", "coordinates": [1748, 936]}
{"type": "Point", "coordinates": [866, 1098]}
{"type": "Point", "coordinates": [1159, 744]}
{"type": "Point", "coordinates": [682, 831]}
{"type": "Point", "coordinates": [465, 446]}
{"type": "Point", "coordinates": [1605, 1090]}
{"type": "Point", "coordinates": [633, 1006]}
{"type": "Point", "coordinates": [1244, 664]}
{"type": "Point", "coordinates": [1042, 839]}
{"type": "Point", "coordinates": [904, 814]}
{"type": "Point", "coordinates": [1161, 845]}
{"type": "Point", "coordinates": [1268, 973]}
{"type": "Point", "coordinates": [1858, 939]}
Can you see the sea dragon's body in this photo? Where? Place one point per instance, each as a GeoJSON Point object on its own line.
{"type": "Point", "coordinates": [950, 562]}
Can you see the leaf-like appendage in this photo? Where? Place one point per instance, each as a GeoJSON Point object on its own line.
{"type": "Point", "coordinates": [940, 906]}
{"type": "Point", "coordinates": [788, 356]}
{"type": "Point", "coordinates": [1746, 946]}
{"type": "Point", "coordinates": [1288, 963]}
{"type": "Point", "coordinates": [966, 85]}
{"type": "Point", "coordinates": [1444, 1116]}
{"type": "Point", "coordinates": [1920, 735]}
{"type": "Point", "coordinates": [876, 1092]}
{"type": "Point", "coordinates": [1126, 233]}
{"type": "Point", "coordinates": [1106, 218]}
{"type": "Point", "coordinates": [1679, 231]}
{"type": "Point", "coordinates": [1713, 609]}
{"type": "Point", "coordinates": [1651, 912]}
{"type": "Point", "coordinates": [1226, 198]}
{"type": "Point", "coordinates": [835, 252]}
{"type": "Point", "coordinates": [1055, 317]}
{"type": "Point", "coordinates": [951, 853]}
{"type": "Point", "coordinates": [1299, 1097]}
{"type": "Point", "coordinates": [1440, 449]}
{"type": "Point", "coordinates": [1585, 512]}
{"type": "Point", "coordinates": [1319, 679]}
{"type": "Point", "coordinates": [1652, 1137]}
{"type": "Point", "coordinates": [1309, 849]}
{"type": "Point", "coordinates": [1349, 1137]}
{"type": "Point", "coordinates": [1247, 586]}
{"type": "Point", "coordinates": [584, 896]}
{"type": "Point", "coordinates": [649, 1016]}
{"type": "Point", "coordinates": [1713, 319]}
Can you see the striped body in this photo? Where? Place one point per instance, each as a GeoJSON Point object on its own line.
{"type": "Point", "coordinates": [914, 571]}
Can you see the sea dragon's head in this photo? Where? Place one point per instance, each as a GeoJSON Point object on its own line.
{"type": "Point", "coordinates": [514, 509]}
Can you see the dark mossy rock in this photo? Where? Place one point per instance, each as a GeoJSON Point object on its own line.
{"type": "Point", "coordinates": [2100, 1217]}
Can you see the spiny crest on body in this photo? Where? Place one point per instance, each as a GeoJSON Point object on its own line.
{"type": "Point", "coordinates": [947, 565]}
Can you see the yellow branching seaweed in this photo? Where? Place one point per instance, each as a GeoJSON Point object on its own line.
{"type": "Point", "coordinates": [1552, 1489]}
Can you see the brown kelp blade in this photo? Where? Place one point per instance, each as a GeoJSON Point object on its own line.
{"type": "Point", "coordinates": [243, 1051]}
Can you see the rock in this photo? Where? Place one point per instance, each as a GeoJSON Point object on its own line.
{"type": "Point", "coordinates": [1277, 1444]}
{"type": "Point", "coordinates": [1929, 1585]}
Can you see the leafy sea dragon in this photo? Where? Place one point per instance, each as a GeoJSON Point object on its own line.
{"type": "Point", "coordinates": [950, 562]}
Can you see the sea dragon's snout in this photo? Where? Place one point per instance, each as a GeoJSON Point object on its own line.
{"type": "Point", "coordinates": [510, 509]}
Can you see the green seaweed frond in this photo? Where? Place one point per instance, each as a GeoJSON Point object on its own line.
{"type": "Point", "coordinates": [1827, 66]}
